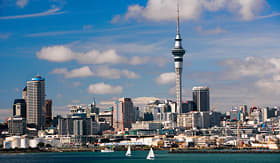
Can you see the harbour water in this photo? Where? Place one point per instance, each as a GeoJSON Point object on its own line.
{"type": "Point", "coordinates": [138, 157]}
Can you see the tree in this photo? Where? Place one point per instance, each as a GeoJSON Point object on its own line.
{"type": "Point", "coordinates": [41, 145]}
{"type": "Point", "coordinates": [48, 146]}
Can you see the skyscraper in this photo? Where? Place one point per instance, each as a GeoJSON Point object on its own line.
{"type": "Point", "coordinates": [36, 101]}
{"type": "Point", "coordinates": [19, 108]}
{"type": "Point", "coordinates": [24, 93]}
{"type": "Point", "coordinates": [201, 98]}
{"type": "Point", "coordinates": [123, 114]}
{"type": "Point", "coordinates": [178, 53]}
{"type": "Point", "coordinates": [48, 112]}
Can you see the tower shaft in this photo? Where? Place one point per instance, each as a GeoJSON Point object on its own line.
{"type": "Point", "coordinates": [179, 89]}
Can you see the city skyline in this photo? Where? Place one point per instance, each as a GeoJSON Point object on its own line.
{"type": "Point", "coordinates": [227, 55]}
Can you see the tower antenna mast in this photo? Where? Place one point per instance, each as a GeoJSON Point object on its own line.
{"type": "Point", "coordinates": [178, 17]}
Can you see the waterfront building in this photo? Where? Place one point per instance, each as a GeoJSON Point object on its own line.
{"type": "Point", "coordinates": [123, 114]}
{"type": "Point", "coordinates": [201, 98]}
{"type": "Point", "coordinates": [146, 125]}
{"type": "Point", "coordinates": [17, 125]}
{"type": "Point", "coordinates": [188, 106]}
{"type": "Point", "coordinates": [65, 126]}
{"type": "Point", "coordinates": [36, 102]}
{"type": "Point", "coordinates": [106, 117]}
{"type": "Point", "coordinates": [178, 53]}
{"type": "Point", "coordinates": [19, 108]}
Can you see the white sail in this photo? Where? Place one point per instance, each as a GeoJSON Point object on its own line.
{"type": "Point", "coordinates": [128, 152]}
{"type": "Point", "coordinates": [151, 155]}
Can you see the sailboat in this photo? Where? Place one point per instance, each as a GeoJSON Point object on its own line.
{"type": "Point", "coordinates": [128, 152]}
{"type": "Point", "coordinates": [151, 155]}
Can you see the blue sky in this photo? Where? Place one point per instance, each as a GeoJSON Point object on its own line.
{"type": "Point", "coordinates": [109, 49]}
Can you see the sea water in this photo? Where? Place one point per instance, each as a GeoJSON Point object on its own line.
{"type": "Point", "coordinates": [139, 157]}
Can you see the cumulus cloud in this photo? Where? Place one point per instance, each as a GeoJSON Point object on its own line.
{"type": "Point", "coordinates": [62, 53]}
{"type": "Point", "coordinates": [56, 54]}
{"type": "Point", "coordinates": [138, 60]}
{"type": "Point", "coordinates": [112, 73]}
{"type": "Point", "coordinates": [102, 89]}
{"type": "Point", "coordinates": [166, 78]}
{"type": "Point", "coordinates": [101, 71]}
{"type": "Point", "coordinates": [160, 10]}
{"type": "Point", "coordinates": [265, 72]}
{"type": "Point", "coordinates": [75, 73]}
{"type": "Point", "coordinates": [130, 74]}
{"type": "Point", "coordinates": [22, 3]}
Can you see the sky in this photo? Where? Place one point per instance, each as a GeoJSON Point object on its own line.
{"type": "Point", "coordinates": [110, 49]}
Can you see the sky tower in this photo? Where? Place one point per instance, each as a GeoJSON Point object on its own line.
{"type": "Point", "coordinates": [178, 53]}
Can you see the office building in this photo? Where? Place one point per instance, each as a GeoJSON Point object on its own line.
{"type": "Point", "coordinates": [48, 112]}
{"type": "Point", "coordinates": [19, 108]}
{"type": "Point", "coordinates": [17, 125]}
{"type": "Point", "coordinates": [123, 114]}
{"type": "Point", "coordinates": [36, 102]}
{"type": "Point", "coordinates": [201, 98]}
{"type": "Point", "coordinates": [24, 93]}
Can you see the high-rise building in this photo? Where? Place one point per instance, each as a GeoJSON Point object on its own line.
{"type": "Point", "coordinates": [178, 53]}
{"type": "Point", "coordinates": [36, 102]}
{"type": "Point", "coordinates": [19, 108]}
{"type": "Point", "coordinates": [48, 112]}
{"type": "Point", "coordinates": [24, 93]}
{"type": "Point", "coordinates": [123, 114]}
{"type": "Point", "coordinates": [17, 125]}
{"type": "Point", "coordinates": [201, 98]}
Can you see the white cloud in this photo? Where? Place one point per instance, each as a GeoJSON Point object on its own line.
{"type": "Point", "coordinates": [130, 74]}
{"type": "Point", "coordinates": [56, 54]}
{"type": "Point", "coordinates": [62, 53]}
{"type": "Point", "coordinates": [250, 8]}
{"type": "Point", "coordinates": [102, 89]}
{"type": "Point", "coordinates": [101, 71]}
{"type": "Point", "coordinates": [138, 60]}
{"type": "Point", "coordinates": [108, 73]}
{"type": "Point", "coordinates": [112, 73]}
{"type": "Point", "coordinates": [215, 31]}
{"type": "Point", "coordinates": [166, 78]}
{"type": "Point", "coordinates": [161, 10]}
{"type": "Point", "coordinates": [115, 19]}
{"type": "Point", "coordinates": [75, 73]}
{"type": "Point", "coordinates": [76, 84]}
{"type": "Point", "coordinates": [264, 72]}
{"type": "Point", "coordinates": [53, 11]}
{"type": "Point", "coordinates": [98, 57]}
{"type": "Point", "coordinates": [22, 3]}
